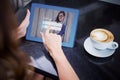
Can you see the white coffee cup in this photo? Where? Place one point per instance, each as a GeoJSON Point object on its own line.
{"type": "Point", "coordinates": [102, 39]}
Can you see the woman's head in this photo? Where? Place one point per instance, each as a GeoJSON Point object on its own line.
{"type": "Point", "coordinates": [60, 16]}
{"type": "Point", "coordinates": [12, 61]}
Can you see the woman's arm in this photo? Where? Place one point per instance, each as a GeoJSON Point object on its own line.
{"type": "Point", "coordinates": [64, 68]}
{"type": "Point", "coordinates": [62, 32]}
{"type": "Point", "coordinates": [53, 43]}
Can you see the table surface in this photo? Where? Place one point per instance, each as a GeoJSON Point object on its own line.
{"type": "Point", "coordinates": [102, 68]}
{"type": "Point", "coordinates": [85, 65]}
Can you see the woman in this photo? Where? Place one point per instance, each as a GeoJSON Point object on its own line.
{"type": "Point", "coordinates": [13, 62]}
{"type": "Point", "coordinates": [59, 19]}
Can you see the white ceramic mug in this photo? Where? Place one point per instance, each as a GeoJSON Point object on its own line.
{"type": "Point", "coordinates": [103, 39]}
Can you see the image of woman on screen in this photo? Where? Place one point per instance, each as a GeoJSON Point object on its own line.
{"type": "Point", "coordinates": [60, 19]}
{"type": "Point", "coordinates": [60, 28]}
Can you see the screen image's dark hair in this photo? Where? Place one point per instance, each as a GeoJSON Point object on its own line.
{"type": "Point", "coordinates": [57, 18]}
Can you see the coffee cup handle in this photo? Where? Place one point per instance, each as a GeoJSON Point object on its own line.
{"type": "Point", "coordinates": [114, 45]}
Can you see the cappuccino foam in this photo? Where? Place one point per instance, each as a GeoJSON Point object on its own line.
{"type": "Point", "coordinates": [102, 35]}
{"type": "Point", "coordinates": [99, 36]}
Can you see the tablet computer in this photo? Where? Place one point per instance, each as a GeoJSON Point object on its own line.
{"type": "Point", "coordinates": [61, 20]}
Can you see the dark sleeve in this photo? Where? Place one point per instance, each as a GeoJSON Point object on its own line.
{"type": "Point", "coordinates": [62, 32]}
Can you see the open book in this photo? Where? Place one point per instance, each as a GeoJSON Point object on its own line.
{"type": "Point", "coordinates": [44, 64]}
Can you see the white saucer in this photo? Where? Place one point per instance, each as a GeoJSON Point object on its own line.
{"type": "Point", "coordinates": [98, 53]}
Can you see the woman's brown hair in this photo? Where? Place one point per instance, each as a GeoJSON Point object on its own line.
{"type": "Point", "coordinates": [13, 62]}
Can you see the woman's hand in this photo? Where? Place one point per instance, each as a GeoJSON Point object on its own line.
{"type": "Point", "coordinates": [21, 31]}
{"type": "Point", "coordinates": [52, 42]}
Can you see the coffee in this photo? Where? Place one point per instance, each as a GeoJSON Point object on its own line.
{"type": "Point", "coordinates": [101, 35]}
{"type": "Point", "coordinates": [102, 39]}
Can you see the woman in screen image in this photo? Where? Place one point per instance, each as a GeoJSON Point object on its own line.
{"type": "Point", "coordinates": [14, 62]}
{"type": "Point", "coordinates": [60, 19]}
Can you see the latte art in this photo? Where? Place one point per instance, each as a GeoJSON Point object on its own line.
{"type": "Point", "coordinates": [101, 35]}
